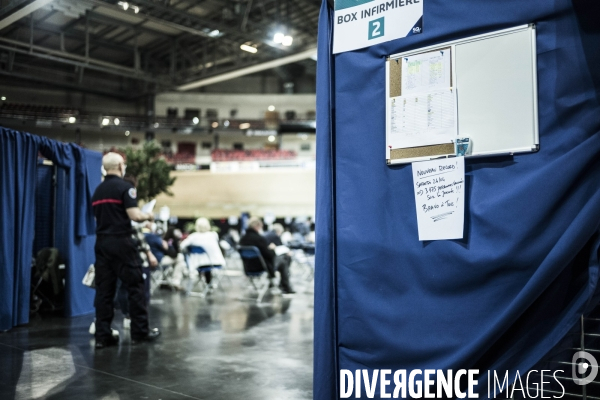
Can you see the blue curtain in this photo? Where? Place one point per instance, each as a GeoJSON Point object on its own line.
{"type": "Point", "coordinates": [528, 266]}
{"type": "Point", "coordinates": [18, 161]}
{"type": "Point", "coordinates": [74, 190]}
{"type": "Point", "coordinates": [79, 175]}
{"type": "Point", "coordinates": [325, 348]}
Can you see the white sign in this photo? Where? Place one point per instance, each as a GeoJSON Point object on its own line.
{"type": "Point", "coordinates": [364, 23]}
{"type": "Point", "coordinates": [440, 198]}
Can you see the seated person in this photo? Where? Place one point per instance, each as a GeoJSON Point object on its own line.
{"type": "Point", "coordinates": [283, 258]}
{"type": "Point", "coordinates": [274, 235]}
{"type": "Point", "coordinates": [232, 237]}
{"type": "Point", "coordinates": [173, 258]}
{"type": "Point", "coordinates": [173, 237]}
{"type": "Point", "coordinates": [158, 246]}
{"type": "Point", "coordinates": [253, 237]}
{"type": "Point", "coordinates": [209, 241]}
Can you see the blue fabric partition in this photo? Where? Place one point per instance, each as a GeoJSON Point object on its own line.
{"type": "Point", "coordinates": [79, 174]}
{"type": "Point", "coordinates": [77, 248]}
{"type": "Point", "coordinates": [18, 163]}
{"type": "Point", "coordinates": [528, 265]}
{"type": "Point", "coordinates": [325, 344]}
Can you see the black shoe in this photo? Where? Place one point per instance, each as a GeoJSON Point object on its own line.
{"type": "Point", "coordinates": [286, 290]}
{"type": "Point", "coordinates": [150, 337]}
{"type": "Point", "coordinates": [112, 341]}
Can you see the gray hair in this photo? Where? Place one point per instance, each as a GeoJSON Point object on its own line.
{"type": "Point", "coordinates": [202, 225]}
{"type": "Point", "coordinates": [255, 223]}
{"type": "Point", "coordinates": [278, 228]}
{"type": "Point", "coordinates": [111, 161]}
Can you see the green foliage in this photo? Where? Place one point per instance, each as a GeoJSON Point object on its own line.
{"type": "Point", "coordinates": [189, 227]}
{"type": "Point", "coordinates": [152, 172]}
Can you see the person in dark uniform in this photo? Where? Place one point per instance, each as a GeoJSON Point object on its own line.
{"type": "Point", "coordinates": [115, 205]}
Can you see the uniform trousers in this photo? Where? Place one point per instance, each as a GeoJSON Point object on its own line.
{"type": "Point", "coordinates": [117, 257]}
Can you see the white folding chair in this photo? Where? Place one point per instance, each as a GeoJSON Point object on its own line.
{"type": "Point", "coordinates": [214, 269]}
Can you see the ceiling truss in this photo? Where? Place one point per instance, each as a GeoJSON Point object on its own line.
{"type": "Point", "coordinates": [166, 45]}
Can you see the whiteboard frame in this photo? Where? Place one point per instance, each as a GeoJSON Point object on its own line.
{"type": "Point", "coordinates": [452, 45]}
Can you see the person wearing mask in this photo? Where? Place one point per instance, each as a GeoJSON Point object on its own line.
{"type": "Point", "coordinates": [254, 237]}
{"type": "Point", "coordinates": [115, 205]}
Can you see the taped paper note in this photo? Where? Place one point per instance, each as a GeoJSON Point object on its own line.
{"type": "Point", "coordinates": [426, 72]}
{"type": "Point", "coordinates": [422, 119]}
{"type": "Point", "coordinates": [440, 198]}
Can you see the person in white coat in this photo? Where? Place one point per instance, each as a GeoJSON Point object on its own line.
{"type": "Point", "coordinates": [209, 241]}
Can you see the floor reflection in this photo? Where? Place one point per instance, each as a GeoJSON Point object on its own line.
{"type": "Point", "coordinates": [221, 347]}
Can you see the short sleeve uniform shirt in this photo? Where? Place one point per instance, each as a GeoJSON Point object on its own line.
{"type": "Point", "coordinates": [110, 201]}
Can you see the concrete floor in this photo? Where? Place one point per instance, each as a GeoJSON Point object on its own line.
{"type": "Point", "coordinates": [222, 347]}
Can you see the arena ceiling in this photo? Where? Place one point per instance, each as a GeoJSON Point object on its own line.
{"type": "Point", "coordinates": [128, 49]}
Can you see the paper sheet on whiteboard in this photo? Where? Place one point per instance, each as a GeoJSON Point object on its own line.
{"type": "Point", "coordinates": [426, 72]}
{"type": "Point", "coordinates": [423, 119]}
{"type": "Point", "coordinates": [440, 198]}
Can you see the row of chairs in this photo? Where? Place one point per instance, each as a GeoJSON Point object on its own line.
{"type": "Point", "coordinates": [201, 288]}
{"type": "Point", "coordinates": [250, 257]}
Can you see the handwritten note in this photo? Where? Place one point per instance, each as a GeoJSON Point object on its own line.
{"type": "Point", "coordinates": [440, 198]}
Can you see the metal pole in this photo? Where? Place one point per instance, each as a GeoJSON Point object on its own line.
{"type": "Point", "coordinates": [54, 194]}
{"type": "Point", "coordinates": [582, 345]}
{"type": "Point", "coordinates": [31, 33]}
{"type": "Point", "coordinates": [87, 37]}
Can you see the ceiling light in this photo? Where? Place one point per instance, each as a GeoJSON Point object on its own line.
{"type": "Point", "coordinates": [271, 138]}
{"type": "Point", "coordinates": [196, 120]}
{"type": "Point", "coordinates": [271, 108]}
{"type": "Point", "coordinates": [3, 98]}
{"type": "Point", "coordinates": [226, 123]}
{"type": "Point", "coordinates": [105, 121]}
{"type": "Point", "coordinates": [287, 40]}
{"type": "Point", "coordinates": [245, 125]}
{"type": "Point", "coordinates": [136, 9]}
{"type": "Point", "coordinates": [72, 120]}
{"type": "Point", "coordinates": [127, 133]}
{"type": "Point", "coordinates": [215, 125]}
{"type": "Point", "coordinates": [214, 33]}
{"type": "Point", "coordinates": [117, 121]}
{"type": "Point", "coordinates": [124, 4]}
{"type": "Point", "coordinates": [156, 124]}
{"type": "Point", "coordinates": [278, 38]}
{"type": "Point", "coordinates": [249, 49]}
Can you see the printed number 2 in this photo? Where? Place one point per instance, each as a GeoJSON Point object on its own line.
{"type": "Point", "coordinates": [376, 28]}
{"type": "Point", "coordinates": [376, 31]}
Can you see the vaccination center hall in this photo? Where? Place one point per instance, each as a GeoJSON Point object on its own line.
{"type": "Point", "coordinates": [299, 199]}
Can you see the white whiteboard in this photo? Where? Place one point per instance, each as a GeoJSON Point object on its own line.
{"type": "Point", "coordinates": [495, 79]}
